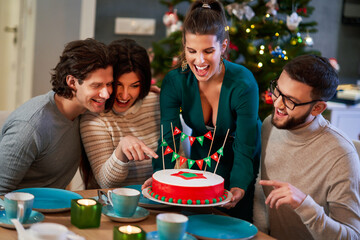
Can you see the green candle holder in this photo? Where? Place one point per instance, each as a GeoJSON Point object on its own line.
{"type": "Point", "coordinates": [85, 213]}
{"type": "Point", "coordinates": [129, 233]}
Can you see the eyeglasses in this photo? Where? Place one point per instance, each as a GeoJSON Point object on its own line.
{"type": "Point", "coordinates": [286, 100]}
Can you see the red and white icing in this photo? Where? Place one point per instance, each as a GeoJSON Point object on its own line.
{"type": "Point", "coordinates": [170, 184]}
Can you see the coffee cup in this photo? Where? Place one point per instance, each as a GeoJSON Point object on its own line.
{"type": "Point", "coordinates": [18, 205]}
{"type": "Point", "coordinates": [171, 226]}
{"type": "Point", "coordinates": [124, 201]}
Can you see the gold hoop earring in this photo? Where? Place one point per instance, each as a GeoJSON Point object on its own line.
{"type": "Point", "coordinates": [184, 65]}
{"type": "Point", "coordinates": [221, 63]}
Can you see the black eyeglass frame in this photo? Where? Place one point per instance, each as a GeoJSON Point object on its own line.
{"type": "Point", "coordinates": [273, 85]}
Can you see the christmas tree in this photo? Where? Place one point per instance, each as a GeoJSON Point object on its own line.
{"type": "Point", "coordinates": [264, 35]}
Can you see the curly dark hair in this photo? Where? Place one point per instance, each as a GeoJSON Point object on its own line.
{"type": "Point", "coordinates": [127, 56]}
{"type": "Point", "coordinates": [316, 72]}
{"type": "Point", "coordinates": [79, 59]}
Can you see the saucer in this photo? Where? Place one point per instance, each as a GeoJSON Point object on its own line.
{"type": "Point", "coordinates": [35, 217]}
{"type": "Point", "coordinates": [140, 214]}
{"type": "Point", "coordinates": [155, 236]}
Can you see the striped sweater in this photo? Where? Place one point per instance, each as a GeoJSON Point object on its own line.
{"type": "Point", "coordinates": [102, 132]}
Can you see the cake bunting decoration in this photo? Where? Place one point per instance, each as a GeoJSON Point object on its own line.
{"type": "Point", "coordinates": [174, 156]}
{"type": "Point", "coordinates": [168, 150]}
{"type": "Point", "coordinates": [208, 135]}
{"type": "Point", "coordinates": [200, 162]}
{"type": "Point", "coordinates": [191, 163]}
{"type": "Point", "coordinates": [182, 160]}
{"type": "Point", "coordinates": [215, 157]}
{"type": "Point", "coordinates": [162, 147]}
{"type": "Point", "coordinates": [192, 140]}
{"type": "Point", "coordinates": [200, 140]}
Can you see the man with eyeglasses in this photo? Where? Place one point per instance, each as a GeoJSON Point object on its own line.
{"type": "Point", "coordinates": [310, 171]}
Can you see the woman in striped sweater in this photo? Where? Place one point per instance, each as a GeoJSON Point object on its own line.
{"type": "Point", "coordinates": [120, 142]}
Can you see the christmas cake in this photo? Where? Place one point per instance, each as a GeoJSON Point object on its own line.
{"type": "Point", "coordinates": [187, 186]}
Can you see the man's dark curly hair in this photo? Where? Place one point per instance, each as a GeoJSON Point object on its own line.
{"type": "Point", "coordinates": [79, 59]}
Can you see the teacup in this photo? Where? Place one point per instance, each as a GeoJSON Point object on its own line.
{"type": "Point", "coordinates": [18, 205]}
{"type": "Point", "coordinates": [124, 201]}
{"type": "Point", "coordinates": [171, 226]}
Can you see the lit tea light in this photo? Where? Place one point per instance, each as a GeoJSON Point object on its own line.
{"type": "Point", "coordinates": [129, 233]}
{"type": "Point", "coordinates": [129, 229]}
{"type": "Point", "coordinates": [85, 213]}
{"type": "Point", "coordinates": [87, 202]}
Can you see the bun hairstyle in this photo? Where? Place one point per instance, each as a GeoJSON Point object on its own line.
{"type": "Point", "coordinates": [206, 17]}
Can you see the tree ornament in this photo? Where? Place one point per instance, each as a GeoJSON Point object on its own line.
{"type": "Point", "coordinates": [240, 10]}
{"type": "Point", "coordinates": [293, 21]}
{"type": "Point", "coordinates": [171, 21]}
{"type": "Point", "coordinates": [334, 64]}
{"type": "Point", "coordinates": [308, 40]}
{"type": "Point", "coordinates": [251, 49]}
{"type": "Point", "coordinates": [272, 7]}
{"type": "Point", "coordinates": [299, 38]}
{"type": "Point", "coordinates": [278, 52]}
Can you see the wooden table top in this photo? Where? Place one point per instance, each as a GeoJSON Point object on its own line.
{"type": "Point", "coordinates": [105, 231]}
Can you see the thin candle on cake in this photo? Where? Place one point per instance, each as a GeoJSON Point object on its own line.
{"type": "Point", "coordinates": [129, 233]}
{"type": "Point", "coordinates": [85, 213]}
{"type": "Point", "coordinates": [227, 133]}
{"type": "Point", "coordinates": [212, 140]}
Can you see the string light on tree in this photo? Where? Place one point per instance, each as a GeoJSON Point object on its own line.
{"type": "Point", "coordinates": [308, 40]}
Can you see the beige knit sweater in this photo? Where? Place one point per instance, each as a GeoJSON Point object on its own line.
{"type": "Point", "coordinates": [102, 132]}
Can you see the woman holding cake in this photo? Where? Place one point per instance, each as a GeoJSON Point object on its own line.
{"type": "Point", "coordinates": [120, 143]}
{"type": "Point", "coordinates": [214, 94]}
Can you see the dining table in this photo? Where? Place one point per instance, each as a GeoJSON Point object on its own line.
{"type": "Point", "coordinates": [105, 231]}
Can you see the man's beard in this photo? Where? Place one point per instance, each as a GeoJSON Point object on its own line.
{"type": "Point", "coordinates": [292, 122]}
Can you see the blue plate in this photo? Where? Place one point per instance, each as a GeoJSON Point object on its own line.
{"type": "Point", "coordinates": [51, 199]}
{"type": "Point", "coordinates": [155, 236]}
{"type": "Point", "coordinates": [140, 214]}
{"type": "Point", "coordinates": [208, 226]}
{"type": "Point", "coordinates": [145, 202]}
{"type": "Point", "coordinates": [35, 217]}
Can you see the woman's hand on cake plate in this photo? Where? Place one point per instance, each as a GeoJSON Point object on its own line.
{"type": "Point", "coordinates": [131, 148]}
{"type": "Point", "coordinates": [147, 183]}
{"type": "Point", "coordinates": [238, 194]}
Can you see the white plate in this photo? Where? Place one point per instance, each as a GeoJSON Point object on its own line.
{"type": "Point", "coordinates": [146, 194]}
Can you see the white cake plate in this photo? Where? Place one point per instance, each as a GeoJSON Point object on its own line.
{"type": "Point", "coordinates": [147, 195]}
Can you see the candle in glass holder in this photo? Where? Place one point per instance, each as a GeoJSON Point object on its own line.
{"type": "Point", "coordinates": [85, 213]}
{"type": "Point", "coordinates": [129, 233]}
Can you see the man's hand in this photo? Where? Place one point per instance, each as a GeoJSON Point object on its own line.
{"type": "Point", "coordinates": [238, 194]}
{"type": "Point", "coordinates": [133, 149]}
{"type": "Point", "coordinates": [283, 193]}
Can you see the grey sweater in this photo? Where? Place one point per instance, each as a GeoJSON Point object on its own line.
{"type": "Point", "coordinates": [323, 163]}
{"type": "Point", "coordinates": [39, 146]}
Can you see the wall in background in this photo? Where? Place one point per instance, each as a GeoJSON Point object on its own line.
{"type": "Point", "coordinates": [333, 38]}
{"type": "Point", "coordinates": [57, 22]}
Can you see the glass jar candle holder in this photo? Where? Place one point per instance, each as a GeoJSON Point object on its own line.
{"type": "Point", "coordinates": [85, 213]}
{"type": "Point", "coordinates": [129, 233]}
